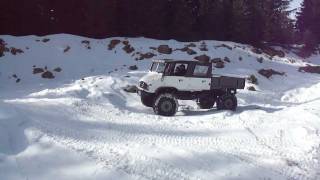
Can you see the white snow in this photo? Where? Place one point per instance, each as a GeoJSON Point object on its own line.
{"type": "Point", "coordinates": [82, 125]}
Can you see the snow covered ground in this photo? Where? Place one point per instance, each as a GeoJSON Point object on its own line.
{"type": "Point", "coordinates": [82, 125]}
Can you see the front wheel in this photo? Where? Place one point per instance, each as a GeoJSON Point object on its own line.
{"type": "Point", "coordinates": [227, 102]}
{"type": "Point", "coordinates": [165, 105]}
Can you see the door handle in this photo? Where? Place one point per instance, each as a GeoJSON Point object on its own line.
{"type": "Point", "coordinates": [180, 80]}
{"type": "Point", "coordinates": [203, 81]}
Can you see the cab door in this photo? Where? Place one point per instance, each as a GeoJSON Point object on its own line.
{"type": "Point", "coordinates": [177, 79]}
{"type": "Point", "coordinates": [200, 77]}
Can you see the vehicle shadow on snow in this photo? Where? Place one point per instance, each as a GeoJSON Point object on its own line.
{"type": "Point", "coordinates": [240, 109]}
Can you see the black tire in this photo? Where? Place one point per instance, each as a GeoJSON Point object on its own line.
{"type": "Point", "coordinates": [147, 99]}
{"type": "Point", "coordinates": [165, 105]}
{"type": "Point", "coordinates": [227, 102]}
{"type": "Point", "coordinates": [206, 103]}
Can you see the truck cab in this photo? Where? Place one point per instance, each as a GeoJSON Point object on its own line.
{"type": "Point", "coordinates": [186, 80]}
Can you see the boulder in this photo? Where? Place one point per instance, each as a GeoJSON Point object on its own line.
{"type": "Point", "coordinates": [269, 72]}
{"type": "Point", "coordinates": [45, 40]}
{"type": "Point", "coordinates": [224, 46]}
{"type": "Point", "coordinates": [191, 45]}
{"type": "Point", "coordinates": [191, 52]}
{"type": "Point", "coordinates": [148, 55]}
{"type": "Point", "coordinates": [164, 49]}
{"type": "Point", "coordinates": [202, 58]}
{"type": "Point", "coordinates": [37, 70]}
{"type": "Point", "coordinates": [133, 68]}
{"type": "Point", "coordinates": [47, 75]}
{"type": "Point", "coordinates": [128, 48]}
{"type": "Point", "coordinates": [310, 69]}
{"type": "Point", "coordinates": [113, 43]}
{"type": "Point", "coordinates": [57, 69]}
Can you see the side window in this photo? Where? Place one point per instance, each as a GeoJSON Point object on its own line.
{"type": "Point", "coordinates": [180, 69]}
{"type": "Point", "coordinates": [200, 71]}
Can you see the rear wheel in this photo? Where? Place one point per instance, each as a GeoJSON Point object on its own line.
{"type": "Point", "coordinates": [227, 102]}
{"type": "Point", "coordinates": [165, 105]}
{"type": "Point", "coordinates": [206, 103]}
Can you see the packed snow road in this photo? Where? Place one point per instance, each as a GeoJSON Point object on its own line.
{"type": "Point", "coordinates": [95, 118]}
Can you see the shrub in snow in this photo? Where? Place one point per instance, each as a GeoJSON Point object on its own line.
{"type": "Point", "coordinates": [252, 79]}
{"type": "Point", "coordinates": [131, 89]}
{"type": "Point", "coordinates": [3, 47]}
{"type": "Point", "coordinates": [15, 51]}
{"type": "Point", "coordinates": [203, 47]}
{"type": "Point", "coordinates": [269, 72]}
{"type": "Point", "coordinates": [260, 60]}
{"type": "Point", "coordinates": [251, 88]}
{"type": "Point", "coordinates": [86, 43]}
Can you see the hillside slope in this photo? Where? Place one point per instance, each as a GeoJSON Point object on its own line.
{"type": "Point", "coordinates": [80, 124]}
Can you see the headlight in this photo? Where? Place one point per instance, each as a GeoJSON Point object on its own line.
{"type": "Point", "coordinates": [144, 85]}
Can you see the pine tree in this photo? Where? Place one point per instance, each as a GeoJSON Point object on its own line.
{"type": "Point", "coordinates": [308, 23]}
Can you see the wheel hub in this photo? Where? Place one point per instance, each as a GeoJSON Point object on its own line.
{"type": "Point", "coordinates": [166, 106]}
{"type": "Point", "coordinates": [228, 103]}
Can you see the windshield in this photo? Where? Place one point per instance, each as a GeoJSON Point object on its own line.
{"type": "Point", "coordinates": [158, 67]}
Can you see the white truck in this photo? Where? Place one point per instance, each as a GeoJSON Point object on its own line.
{"type": "Point", "coordinates": [171, 80]}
